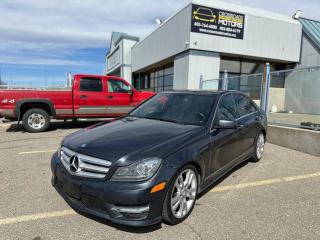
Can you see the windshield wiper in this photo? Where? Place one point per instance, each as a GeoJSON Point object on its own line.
{"type": "Point", "coordinates": [164, 120]}
{"type": "Point", "coordinates": [173, 121]}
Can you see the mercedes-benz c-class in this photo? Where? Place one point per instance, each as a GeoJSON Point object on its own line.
{"type": "Point", "coordinates": [150, 165]}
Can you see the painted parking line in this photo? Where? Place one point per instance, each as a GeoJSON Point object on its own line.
{"type": "Point", "coordinates": [46, 215]}
{"type": "Point", "coordinates": [36, 152]}
{"type": "Point", "coordinates": [265, 182]}
{"type": "Point", "coordinates": [34, 217]}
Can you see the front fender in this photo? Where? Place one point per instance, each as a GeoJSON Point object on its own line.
{"type": "Point", "coordinates": [195, 153]}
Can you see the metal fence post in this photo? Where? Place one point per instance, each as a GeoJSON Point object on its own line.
{"type": "Point", "coordinates": [265, 98]}
{"type": "Point", "coordinates": [225, 80]}
{"type": "Point", "coordinates": [201, 82]}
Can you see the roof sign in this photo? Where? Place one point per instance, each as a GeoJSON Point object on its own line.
{"type": "Point", "coordinates": [217, 22]}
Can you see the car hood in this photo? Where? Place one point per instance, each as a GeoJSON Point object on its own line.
{"type": "Point", "coordinates": [129, 139]}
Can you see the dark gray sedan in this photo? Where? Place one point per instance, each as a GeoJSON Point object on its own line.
{"type": "Point", "coordinates": [151, 165]}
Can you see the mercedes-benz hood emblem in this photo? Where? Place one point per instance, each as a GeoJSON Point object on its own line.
{"type": "Point", "coordinates": [74, 163]}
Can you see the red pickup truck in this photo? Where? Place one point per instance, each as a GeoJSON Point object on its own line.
{"type": "Point", "coordinates": [91, 96]}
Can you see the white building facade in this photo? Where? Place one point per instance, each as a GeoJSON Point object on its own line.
{"type": "Point", "coordinates": [202, 40]}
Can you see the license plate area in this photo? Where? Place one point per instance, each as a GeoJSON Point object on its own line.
{"type": "Point", "coordinates": [72, 189]}
{"type": "Point", "coordinates": [69, 187]}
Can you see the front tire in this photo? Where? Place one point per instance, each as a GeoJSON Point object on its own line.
{"type": "Point", "coordinates": [36, 120]}
{"type": "Point", "coordinates": [181, 196]}
{"type": "Point", "coordinates": [259, 147]}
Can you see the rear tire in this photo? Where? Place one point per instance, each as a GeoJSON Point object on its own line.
{"type": "Point", "coordinates": [259, 147]}
{"type": "Point", "coordinates": [36, 120]}
{"type": "Point", "coordinates": [180, 201]}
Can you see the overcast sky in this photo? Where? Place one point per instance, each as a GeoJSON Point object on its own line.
{"type": "Point", "coordinates": [59, 35]}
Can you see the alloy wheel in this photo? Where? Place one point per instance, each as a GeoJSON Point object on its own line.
{"type": "Point", "coordinates": [184, 193]}
{"type": "Point", "coordinates": [260, 146]}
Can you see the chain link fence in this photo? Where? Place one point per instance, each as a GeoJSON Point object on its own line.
{"type": "Point", "coordinates": [31, 78]}
{"type": "Point", "coordinates": [292, 97]}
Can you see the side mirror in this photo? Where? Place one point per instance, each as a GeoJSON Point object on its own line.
{"type": "Point", "coordinates": [225, 124]}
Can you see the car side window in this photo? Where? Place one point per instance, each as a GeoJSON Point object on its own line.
{"type": "Point", "coordinates": [244, 105]}
{"type": "Point", "coordinates": [91, 84]}
{"type": "Point", "coordinates": [117, 86]}
{"type": "Point", "coordinates": [226, 109]}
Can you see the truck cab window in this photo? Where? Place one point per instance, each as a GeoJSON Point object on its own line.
{"type": "Point", "coordinates": [117, 86]}
{"type": "Point", "coordinates": [91, 84]}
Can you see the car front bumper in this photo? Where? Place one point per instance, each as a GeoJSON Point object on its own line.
{"type": "Point", "coordinates": [126, 203]}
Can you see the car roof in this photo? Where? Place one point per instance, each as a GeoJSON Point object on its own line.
{"type": "Point", "coordinates": [202, 92]}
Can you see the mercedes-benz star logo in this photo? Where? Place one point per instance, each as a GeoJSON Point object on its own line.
{"type": "Point", "coordinates": [74, 163]}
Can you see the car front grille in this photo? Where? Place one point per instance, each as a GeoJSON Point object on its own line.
{"type": "Point", "coordinates": [83, 165]}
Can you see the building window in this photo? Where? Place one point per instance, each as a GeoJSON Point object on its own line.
{"type": "Point", "coordinates": [158, 80]}
{"type": "Point", "coordinates": [246, 75]}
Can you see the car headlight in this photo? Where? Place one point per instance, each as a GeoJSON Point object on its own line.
{"type": "Point", "coordinates": [138, 171]}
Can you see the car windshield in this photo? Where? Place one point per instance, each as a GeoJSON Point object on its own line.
{"type": "Point", "coordinates": [204, 11]}
{"type": "Point", "coordinates": [181, 108]}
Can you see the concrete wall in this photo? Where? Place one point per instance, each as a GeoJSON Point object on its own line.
{"type": "Point", "coordinates": [297, 139]}
{"type": "Point", "coordinates": [126, 68]}
{"type": "Point", "coordinates": [180, 71]}
{"type": "Point", "coordinates": [310, 56]}
{"type": "Point", "coordinates": [126, 73]}
{"type": "Point", "coordinates": [189, 66]}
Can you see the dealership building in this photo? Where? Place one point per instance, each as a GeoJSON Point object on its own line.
{"type": "Point", "coordinates": [206, 38]}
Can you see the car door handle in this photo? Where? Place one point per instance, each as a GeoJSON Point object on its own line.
{"type": "Point", "coordinates": [110, 97]}
{"type": "Point", "coordinates": [83, 96]}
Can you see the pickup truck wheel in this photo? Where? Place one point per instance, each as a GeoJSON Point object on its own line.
{"type": "Point", "coordinates": [36, 120]}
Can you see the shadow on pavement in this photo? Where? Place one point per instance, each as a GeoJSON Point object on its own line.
{"type": "Point", "coordinates": [14, 127]}
{"type": "Point", "coordinates": [220, 180]}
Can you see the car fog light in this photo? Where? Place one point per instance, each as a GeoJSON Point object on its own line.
{"type": "Point", "coordinates": [132, 210]}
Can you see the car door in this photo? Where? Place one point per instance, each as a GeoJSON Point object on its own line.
{"type": "Point", "coordinates": [247, 121]}
{"type": "Point", "coordinates": [118, 97]}
{"type": "Point", "coordinates": [89, 98]}
{"type": "Point", "coordinates": [225, 143]}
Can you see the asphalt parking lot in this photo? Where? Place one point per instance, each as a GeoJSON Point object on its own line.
{"type": "Point", "coordinates": [277, 198]}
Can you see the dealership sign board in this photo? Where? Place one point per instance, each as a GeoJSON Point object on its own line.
{"type": "Point", "coordinates": [217, 22]}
